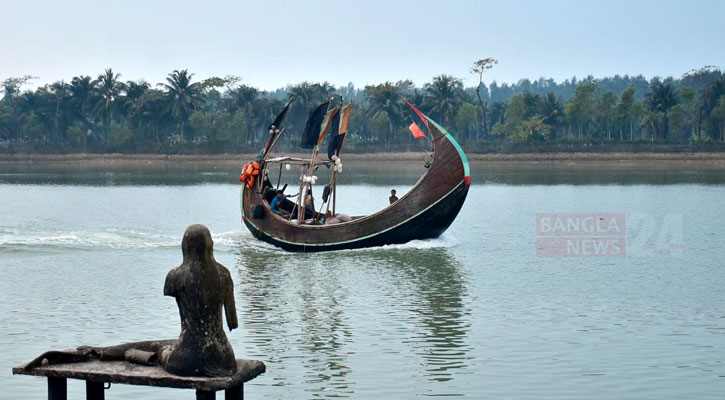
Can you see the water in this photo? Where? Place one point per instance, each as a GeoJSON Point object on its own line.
{"type": "Point", "coordinates": [475, 313]}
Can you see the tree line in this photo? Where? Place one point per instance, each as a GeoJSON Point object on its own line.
{"type": "Point", "coordinates": [214, 115]}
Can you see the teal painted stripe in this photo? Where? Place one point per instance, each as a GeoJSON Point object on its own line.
{"type": "Point", "coordinates": [364, 237]}
{"type": "Point", "coordinates": [466, 169]}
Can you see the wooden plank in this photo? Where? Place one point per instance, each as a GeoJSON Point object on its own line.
{"type": "Point", "coordinates": [136, 374]}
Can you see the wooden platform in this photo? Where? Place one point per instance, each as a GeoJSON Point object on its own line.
{"type": "Point", "coordinates": [96, 373]}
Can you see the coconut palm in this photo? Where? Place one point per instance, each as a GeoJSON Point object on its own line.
{"type": "Point", "coordinates": [11, 101]}
{"type": "Point", "coordinates": [183, 98]}
{"type": "Point", "coordinates": [262, 113]}
{"type": "Point", "coordinates": [61, 119]}
{"type": "Point", "coordinates": [153, 114]}
{"type": "Point", "coordinates": [551, 111]}
{"type": "Point", "coordinates": [711, 96]}
{"type": "Point", "coordinates": [244, 99]}
{"type": "Point", "coordinates": [108, 105]}
{"type": "Point", "coordinates": [384, 98]}
{"type": "Point", "coordinates": [443, 97]}
{"type": "Point", "coordinates": [662, 98]}
{"type": "Point", "coordinates": [311, 94]}
{"type": "Point", "coordinates": [36, 110]}
{"type": "Point", "coordinates": [82, 96]}
{"type": "Point", "coordinates": [306, 97]}
{"type": "Point", "coordinates": [135, 97]}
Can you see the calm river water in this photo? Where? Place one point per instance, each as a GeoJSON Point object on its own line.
{"type": "Point", "coordinates": [84, 253]}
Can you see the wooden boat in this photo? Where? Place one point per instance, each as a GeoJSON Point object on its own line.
{"type": "Point", "coordinates": [426, 211]}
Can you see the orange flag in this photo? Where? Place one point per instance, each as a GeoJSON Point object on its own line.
{"type": "Point", "coordinates": [343, 121]}
{"type": "Point", "coordinates": [417, 133]}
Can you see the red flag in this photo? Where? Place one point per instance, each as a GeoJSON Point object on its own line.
{"type": "Point", "coordinates": [417, 133]}
{"type": "Point", "coordinates": [420, 114]}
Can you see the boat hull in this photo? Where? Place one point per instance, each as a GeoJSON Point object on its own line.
{"type": "Point", "coordinates": [429, 224]}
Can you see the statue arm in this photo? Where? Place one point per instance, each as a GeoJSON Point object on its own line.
{"type": "Point", "coordinates": [230, 308]}
{"type": "Point", "coordinates": [231, 311]}
{"type": "Point", "coordinates": [170, 283]}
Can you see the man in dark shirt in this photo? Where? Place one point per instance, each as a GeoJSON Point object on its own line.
{"type": "Point", "coordinates": [393, 198]}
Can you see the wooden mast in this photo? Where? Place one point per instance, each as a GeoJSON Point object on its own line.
{"type": "Point", "coordinates": [310, 169]}
{"type": "Point", "coordinates": [333, 179]}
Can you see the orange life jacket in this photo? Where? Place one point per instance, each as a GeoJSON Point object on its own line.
{"type": "Point", "coordinates": [249, 172]}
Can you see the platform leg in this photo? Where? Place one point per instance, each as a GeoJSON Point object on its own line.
{"type": "Point", "coordinates": [94, 390]}
{"type": "Point", "coordinates": [234, 393]}
{"type": "Point", "coordinates": [57, 389]}
{"type": "Point", "coordinates": [205, 395]}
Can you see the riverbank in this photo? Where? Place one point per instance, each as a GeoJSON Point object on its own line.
{"type": "Point", "coordinates": [703, 158]}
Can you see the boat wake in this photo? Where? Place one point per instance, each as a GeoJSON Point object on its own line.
{"type": "Point", "coordinates": [445, 241]}
{"type": "Point", "coordinates": [104, 239]}
{"type": "Point", "coordinates": [17, 240]}
{"type": "Point", "coordinates": [249, 243]}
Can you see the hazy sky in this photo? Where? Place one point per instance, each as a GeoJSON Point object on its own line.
{"type": "Point", "coordinates": [272, 43]}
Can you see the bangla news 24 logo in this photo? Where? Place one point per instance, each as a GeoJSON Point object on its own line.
{"type": "Point", "coordinates": [608, 234]}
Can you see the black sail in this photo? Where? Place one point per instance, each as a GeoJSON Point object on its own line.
{"type": "Point", "coordinates": [312, 129]}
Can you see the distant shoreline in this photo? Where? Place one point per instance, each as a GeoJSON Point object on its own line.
{"type": "Point", "coordinates": [700, 158]}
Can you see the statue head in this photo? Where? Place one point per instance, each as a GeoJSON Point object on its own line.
{"type": "Point", "coordinates": [197, 244]}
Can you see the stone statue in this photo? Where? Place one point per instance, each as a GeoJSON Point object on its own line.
{"type": "Point", "coordinates": [202, 287]}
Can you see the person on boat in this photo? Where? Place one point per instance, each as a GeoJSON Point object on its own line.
{"type": "Point", "coordinates": [309, 202]}
{"type": "Point", "coordinates": [393, 198]}
{"type": "Point", "coordinates": [276, 204]}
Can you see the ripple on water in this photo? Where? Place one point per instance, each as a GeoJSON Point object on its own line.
{"type": "Point", "coordinates": [473, 313]}
{"type": "Point", "coordinates": [397, 305]}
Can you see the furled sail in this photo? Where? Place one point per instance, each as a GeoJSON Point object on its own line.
{"type": "Point", "coordinates": [280, 118]}
{"type": "Point", "coordinates": [337, 133]}
{"type": "Point", "coordinates": [274, 128]}
{"type": "Point", "coordinates": [312, 128]}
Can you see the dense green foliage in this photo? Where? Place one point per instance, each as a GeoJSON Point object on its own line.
{"type": "Point", "coordinates": [215, 115]}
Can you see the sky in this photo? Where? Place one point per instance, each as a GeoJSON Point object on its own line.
{"type": "Point", "coordinates": [270, 44]}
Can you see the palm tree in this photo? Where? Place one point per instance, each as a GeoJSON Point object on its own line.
{"type": "Point", "coordinates": [711, 96]}
{"type": "Point", "coordinates": [183, 97]}
{"type": "Point", "coordinates": [135, 97]}
{"type": "Point", "coordinates": [661, 99]}
{"type": "Point", "coordinates": [154, 114]}
{"type": "Point", "coordinates": [444, 96]}
{"type": "Point", "coordinates": [82, 94]}
{"type": "Point", "coordinates": [551, 111]}
{"type": "Point", "coordinates": [36, 110]}
{"type": "Point", "coordinates": [244, 98]}
{"type": "Point", "coordinates": [311, 94]}
{"type": "Point", "coordinates": [384, 98]}
{"type": "Point", "coordinates": [12, 99]}
{"type": "Point", "coordinates": [306, 96]}
{"type": "Point", "coordinates": [61, 92]}
{"type": "Point", "coordinates": [109, 91]}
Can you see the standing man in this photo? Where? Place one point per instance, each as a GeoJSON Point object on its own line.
{"type": "Point", "coordinates": [393, 198]}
